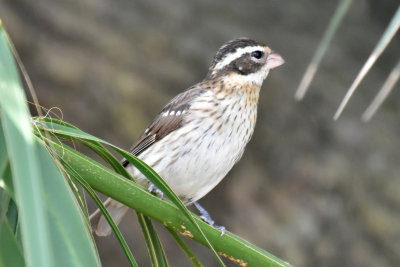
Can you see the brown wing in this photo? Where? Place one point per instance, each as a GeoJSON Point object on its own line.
{"type": "Point", "coordinates": [167, 121]}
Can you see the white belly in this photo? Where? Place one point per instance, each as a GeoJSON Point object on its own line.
{"type": "Point", "coordinates": [196, 157]}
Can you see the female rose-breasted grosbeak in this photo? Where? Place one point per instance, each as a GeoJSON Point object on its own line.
{"type": "Point", "coordinates": [201, 133]}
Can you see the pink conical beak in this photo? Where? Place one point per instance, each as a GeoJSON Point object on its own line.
{"type": "Point", "coordinates": [274, 60]}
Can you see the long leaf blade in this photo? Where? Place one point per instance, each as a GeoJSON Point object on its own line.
{"type": "Point", "coordinates": [387, 36]}
{"type": "Point", "coordinates": [156, 251]}
{"type": "Point", "coordinates": [53, 229]}
{"type": "Point", "coordinates": [334, 24]}
{"type": "Point", "coordinates": [10, 250]}
{"type": "Point", "coordinates": [196, 262]}
{"type": "Point", "coordinates": [58, 127]}
{"type": "Point", "coordinates": [103, 209]}
{"type": "Point", "coordinates": [24, 165]}
{"type": "Point", "coordinates": [127, 192]}
{"type": "Point", "coordinates": [382, 94]}
{"type": "Point", "coordinates": [69, 233]}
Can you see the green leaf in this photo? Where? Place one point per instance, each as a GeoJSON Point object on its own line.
{"type": "Point", "coordinates": [163, 186]}
{"type": "Point", "coordinates": [5, 171]}
{"type": "Point", "coordinates": [156, 251]}
{"type": "Point", "coordinates": [70, 237]}
{"type": "Point", "coordinates": [153, 243]}
{"type": "Point", "coordinates": [53, 229]}
{"type": "Point", "coordinates": [103, 209]}
{"type": "Point", "coordinates": [154, 246]}
{"type": "Point", "coordinates": [21, 149]}
{"type": "Point", "coordinates": [58, 127]}
{"type": "Point", "coordinates": [3, 151]}
{"type": "Point", "coordinates": [129, 193]}
{"type": "Point", "coordinates": [6, 180]}
{"type": "Point", "coordinates": [185, 248]}
{"type": "Point", "coordinates": [10, 250]}
{"type": "Point", "coordinates": [12, 217]}
{"type": "Point", "coordinates": [4, 201]}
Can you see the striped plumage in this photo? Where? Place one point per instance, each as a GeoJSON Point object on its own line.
{"type": "Point", "coordinates": [201, 133]}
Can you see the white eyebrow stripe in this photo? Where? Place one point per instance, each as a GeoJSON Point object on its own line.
{"type": "Point", "coordinates": [233, 56]}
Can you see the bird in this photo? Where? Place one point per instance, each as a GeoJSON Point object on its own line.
{"type": "Point", "coordinates": [202, 132]}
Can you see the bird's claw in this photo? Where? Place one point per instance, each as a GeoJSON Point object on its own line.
{"type": "Point", "coordinates": [221, 228]}
{"type": "Point", "coordinates": [154, 190]}
{"type": "Point", "coordinates": [205, 216]}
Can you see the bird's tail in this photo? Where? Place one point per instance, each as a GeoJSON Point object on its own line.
{"type": "Point", "coordinates": [117, 212]}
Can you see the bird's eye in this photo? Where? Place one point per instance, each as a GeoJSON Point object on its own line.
{"type": "Point", "coordinates": [257, 54]}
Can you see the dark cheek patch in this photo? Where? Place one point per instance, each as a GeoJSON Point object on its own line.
{"type": "Point", "coordinates": [245, 66]}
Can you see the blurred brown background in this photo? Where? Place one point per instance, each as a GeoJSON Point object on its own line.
{"type": "Point", "coordinates": [310, 190]}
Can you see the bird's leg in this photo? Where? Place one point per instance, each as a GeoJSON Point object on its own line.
{"type": "Point", "coordinates": [154, 190]}
{"type": "Point", "coordinates": [205, 216]}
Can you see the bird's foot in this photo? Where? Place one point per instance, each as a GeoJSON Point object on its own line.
{"type": "Point", "coordinates": [205, 216]}
{"type": "Point", "coordinates": [155, 191]}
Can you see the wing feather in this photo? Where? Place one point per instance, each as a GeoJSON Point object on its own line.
{"type": "Point", "coordinates": [168, 120]}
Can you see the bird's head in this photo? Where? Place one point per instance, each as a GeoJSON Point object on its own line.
{"type": "Point", "coordinates": [244, 60]}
